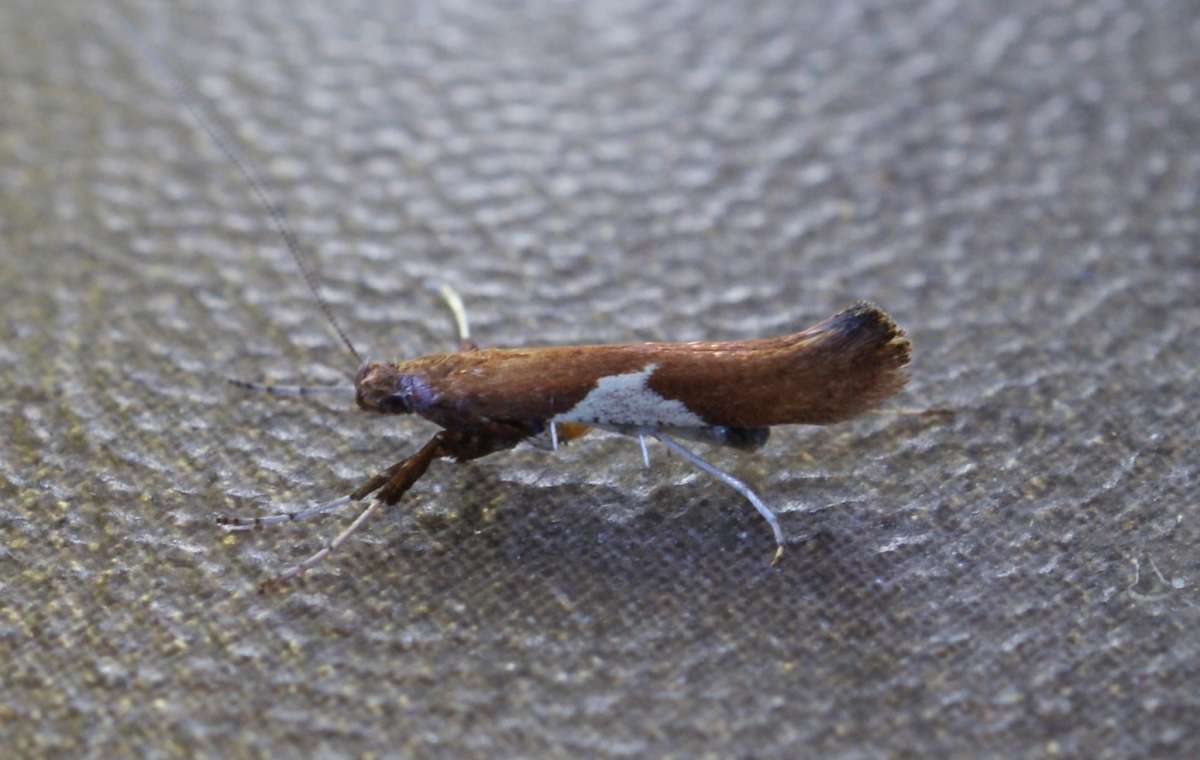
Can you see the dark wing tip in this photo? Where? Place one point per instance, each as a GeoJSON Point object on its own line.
{"type": "Point", "coordinates": [865, 326]}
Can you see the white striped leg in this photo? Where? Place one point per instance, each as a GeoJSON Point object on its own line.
{"type": "Point", "coordinates": [733, 483]}
{"type": "Point", "coordinates": [909, 412]}
{"type": "Point", "coordinates": [293, 390]}
{"type": "Point", "coordinates": [645, 451]}
{"type": "Point", "coordinates": [250, 523]}
{"type": "Point", "coordinates": [302, 567]}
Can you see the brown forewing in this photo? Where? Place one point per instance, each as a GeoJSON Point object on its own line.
{"type": "Point", "coordinates": [832, 371]}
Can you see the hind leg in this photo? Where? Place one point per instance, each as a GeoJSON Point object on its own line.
{"type": "Point", "coordinates": [733, 483]}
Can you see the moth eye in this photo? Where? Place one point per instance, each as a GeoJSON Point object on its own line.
{"type": "Point", "coordinates": [397, 403]}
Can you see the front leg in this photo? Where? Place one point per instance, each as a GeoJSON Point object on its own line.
{"type": "Point", "coordinates": [395, 481]}
{"type": "Point", "coordinates": [448, 444]}
{"type": "Point", "coordinates": [401, 476]}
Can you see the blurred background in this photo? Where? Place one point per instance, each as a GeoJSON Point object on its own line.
{"type": "Point", "coordinates": [1017, 183]}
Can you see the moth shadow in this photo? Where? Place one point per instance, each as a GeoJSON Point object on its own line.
{"type": "Point", "coordinates": [675, 546]}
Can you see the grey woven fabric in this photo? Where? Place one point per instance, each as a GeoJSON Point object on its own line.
{"type": "Point", "coordinates": [1017, 183]}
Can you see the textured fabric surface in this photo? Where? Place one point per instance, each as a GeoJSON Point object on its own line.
{"type": "Point", "coordinates": [1017, 183]}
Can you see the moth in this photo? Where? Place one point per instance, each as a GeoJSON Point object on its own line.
{"type": "Point", "coordinates": [727, 393]}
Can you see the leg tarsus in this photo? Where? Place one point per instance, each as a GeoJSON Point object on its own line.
{"type": "Point", "coordinates": [396, 480]}
{"type": "Point", "coordinates": [392, 483]}
{"type": "Point", "coordinates": [733, 483]}
{"type": "Point", "coordinates": [234, 523]}
{"type": "Point", "coordinates": [299, 569]}
{"type": "Point", "coordinates": [938, 411]}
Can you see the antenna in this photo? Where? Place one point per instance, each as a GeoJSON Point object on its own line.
{"type": "Point", "coordinates": [190, 97]}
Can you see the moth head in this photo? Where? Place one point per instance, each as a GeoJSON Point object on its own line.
{"type": "Point", "coordinates": [381, 387]}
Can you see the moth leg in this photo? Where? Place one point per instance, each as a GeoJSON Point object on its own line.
{"type": "Point", "coordinates": [733, 483]}
{"type": "Point", "coordinates": [374, 483]}
{"type": "Point", "coordinates": [405, 474]}
{"type": "Point", "coordinates": [557, 434]}
{"type": "Point", "coordinates": [454, 303]}
{"type": "Point", "coordinates": [645, 451]}
{"type": "Point", "coordinates": [234, 523]}
{"type": "Point", "coordinates": [937, 411]}
{"type": "Point", "coordinates": [394, 482]}
{"type": "Point", "coordinates": [302, 567]}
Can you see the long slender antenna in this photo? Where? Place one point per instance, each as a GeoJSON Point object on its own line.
{"type": "Point", "coordinates": [190, 97]}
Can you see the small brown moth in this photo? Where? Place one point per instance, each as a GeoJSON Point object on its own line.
{"type": "Point", "coordinates": [723, 393]}
{"type": "Point", "coordinates": [492, 399]}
